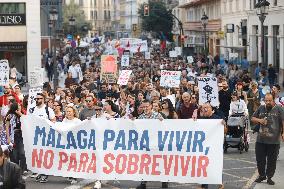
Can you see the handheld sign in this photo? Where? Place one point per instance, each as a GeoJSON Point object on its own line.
{"type": "Point", "coordinates": [124, 77]}
{"type": "Point", "coordinates": [208, 90]}
{"type": "Point", "coordinates": [4, 72]}
{"type": "Point", "coordinates": [125, 60]}
{"type": "Point", "coordinates": [170, 78]}
{"type": "Point", "coordinates": [32, 95]}
{"type": "Point", "coordinates": [173, 54]}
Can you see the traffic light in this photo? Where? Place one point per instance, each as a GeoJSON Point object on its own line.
{"type": "Point", "coordinates": [182, 39]}
{"type": "Point", "coordinates": [146, 10]}
{"type": "Point", "coordinates": [78, 40]}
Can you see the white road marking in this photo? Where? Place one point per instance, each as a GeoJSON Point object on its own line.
{"type": "Point", "coordinates": [226, 158]}
{"type": "Point", "coordinates": [251, 180]}
{"type": "Point", "coordinates": [235, 176]}
{"type": "Point", "coordinates": [236, 168]}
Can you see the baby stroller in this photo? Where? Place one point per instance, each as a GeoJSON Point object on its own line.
{"type": "Point", "coordinates": [237, 134]}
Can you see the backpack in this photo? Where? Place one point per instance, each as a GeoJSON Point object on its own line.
{"type": "Point", "coordinates": [46, 110]}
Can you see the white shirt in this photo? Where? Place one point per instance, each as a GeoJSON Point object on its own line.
{"type": "Point", "coordinates": [279, 101]}
{"type": "Point", "coordinates": [41, 112]}
{"type": "Point", "coordinates": [74, 72]}
{"type": "Point", "coordinates": [239, 107]}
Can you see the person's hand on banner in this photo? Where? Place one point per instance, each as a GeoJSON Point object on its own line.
{"type": "Point", "coordinates": [194, 115]}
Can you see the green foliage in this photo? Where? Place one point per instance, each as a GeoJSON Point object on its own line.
{"type": "Point", "coordinates": [159, 20]}
{"type": "Point", "coordinates": [74, 10]}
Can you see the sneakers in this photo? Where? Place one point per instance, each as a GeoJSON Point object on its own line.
{"type": "Point", "coordinates": [270, 182]}
{"type": "Point", "coordinates": [34, 175]}
{"type": "Point", "coordinates": [141, 186]}
{"type": "Point", "coordinates": [38, 178]}
{"type": "Point", "coordinates": [43, 179]}
{"type": "Point", "coordinates": [98, 184]}
{"type": "Point", "coordinates": [260, 179]}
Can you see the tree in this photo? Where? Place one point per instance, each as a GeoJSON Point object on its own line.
{"type": "Point", "coordinates": [81, 24]}
{"type": "Point", "coordinates": [160, 20]}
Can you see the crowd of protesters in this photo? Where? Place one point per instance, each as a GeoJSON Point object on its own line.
{"type": "Point", "coordinates": [85, 96]}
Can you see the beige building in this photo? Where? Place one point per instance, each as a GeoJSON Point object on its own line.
{"type": "Point", "coordinates": [193, 29]}
{"type": "Point", "coordinates": [98, 13]}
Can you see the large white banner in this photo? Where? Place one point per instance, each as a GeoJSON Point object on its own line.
{"type": "Point", "coordinates": [208, 90]}
{"type": "Point", "coordinates": [170, 78]}
{"type": "Point", "coordinates": [183, 151]}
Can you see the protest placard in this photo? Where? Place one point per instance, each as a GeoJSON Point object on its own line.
{"type": "Point", "coordinates": [190, 59]}
{"type": "Point", "coordinates": [4, 72]}
{"type": "Point", "coordinates": [108, 68]}
{"type": "Point", "coordinates": [208, 90]}
{"type": "Point", "coordinates": [32, 95]}
{"type": "Point", "coordinates": [36, 77]}
{"type": "Point", "coordinates": [124, 60]}
{"type": "Point", "coordinates": [124, 77]}
{"type": "Point", "coordinates": [173, 54]}
{"type": "Point", "coordinates": [170, 78]}
{"type": "Point", "coordinates": [147, 55]}
{"type": "Point", "coordinates": [178, 50]}
{"type": "Point", "coordinates": [183, 151]}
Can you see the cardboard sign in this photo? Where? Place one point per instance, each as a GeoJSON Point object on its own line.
{"type": "Point", "coordinates": [208, 91]}
{"type": "Point", "coordinates": [32, 95]}
{"type": "Point", "coordinates": [4, 72]}
{"type": "Point", "coordinates": [172, 150]}
{"type": "Point", "coordinates": [147, 55]}
{"type": "Point", "coordinates": [124, 77]}
{"type": "Point", "coordinates": [124, 60]}
{"type": "Point", "coordinates": [170, 78]}
{"type": "Point", "coordinates": [190, 59]}
{"type": "Point", "coordinates": [108, 68]}
{"type": "Point", "coordinates": [178, 51]}
{"type": "Point", "coordinates": [173, 54]}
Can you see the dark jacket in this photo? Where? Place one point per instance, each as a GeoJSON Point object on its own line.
{"type": "Point", "coordinates": [12, 177]}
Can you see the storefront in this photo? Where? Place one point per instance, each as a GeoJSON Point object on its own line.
{"type": "Point", "coordinates": [20, 34]}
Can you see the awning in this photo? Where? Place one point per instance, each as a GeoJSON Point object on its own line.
{"type": "Point", "coordinates": [193, 3]}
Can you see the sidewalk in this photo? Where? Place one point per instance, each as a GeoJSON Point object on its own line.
{"type": "Point", "coordinates": [278, 177]}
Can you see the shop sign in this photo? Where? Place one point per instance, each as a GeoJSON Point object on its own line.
{"type": "Point", "coordinates": [12, 19]}
{"type": "Point", "coordinates": [50, 2]}
{"type": "Point", "coordinates": [12, 46]}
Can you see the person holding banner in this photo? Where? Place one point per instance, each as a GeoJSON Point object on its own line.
{"type": "Point", "coordinates": [206, 112]}
{"type": "Point", "coordinates": [149, 114]}
{"type": "Point", "coordinates": [43, 111]}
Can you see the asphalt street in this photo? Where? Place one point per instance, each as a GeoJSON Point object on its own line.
{"type": "Point", "coordinates": [239, 172]}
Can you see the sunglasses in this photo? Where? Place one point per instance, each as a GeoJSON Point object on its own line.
{"type": "Point", "coordinates": [38, 98]}
{"type": "Point", "coordinates": [88, 101]}
{"type": "Point", "coordinates": [56, 104]}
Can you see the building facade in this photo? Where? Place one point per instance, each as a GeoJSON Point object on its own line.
{"type": "Point", "coordinates": [274, 37]}
{"type": "Point", "coordinates": [129, 17]}
{"type": "Point", "coordinates": [234, 28]}
{"type": "Point", "coordinates": [98, 13]}
{"type": "Point", "coordinates": [193, 29]}
{"type": "Point", "coordinates": [20, 39]}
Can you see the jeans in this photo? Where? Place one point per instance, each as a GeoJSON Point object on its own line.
{"type": "Point", "coordinates": [266, 157]}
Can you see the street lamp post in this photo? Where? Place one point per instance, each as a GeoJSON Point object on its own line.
{"type": "Point", "coordinates": [261, 11]}
{"type": "Point", "coordinates": [72, 24]}
{"type": "Point", "coordinates": [204, 22]}
{"type": "Point", "coordinates": [53, 17]}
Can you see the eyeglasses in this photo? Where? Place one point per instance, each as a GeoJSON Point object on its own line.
{"type": "Point", "coordinates": [16, 88]}
{"type": "Point", "coordinates": [193, 97]}
{"type": "Point", "coordinates": [56, 104]}
{"type": "Point", "coordinates": [38, 98]}
{"type": "Point", "coordinates": [88, 101]}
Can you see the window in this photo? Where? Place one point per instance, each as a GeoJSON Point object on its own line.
{"type": "Point", "coordinates": [237, 6]}
{"type": "Point", "coordinates": [95, 15]}
{"type": "Point", "coordinates": [275, 2]}
{"type": "Point", "coordinates": [92, 15]}
{"type": "Point", "coordinates": [109, 15]}
{"type": "Point", "coordinates": [81, 3]}
{"type": "Point", "coordinates": [12, 8]}
{"type": "Point", "coordinates": [105, 15]}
